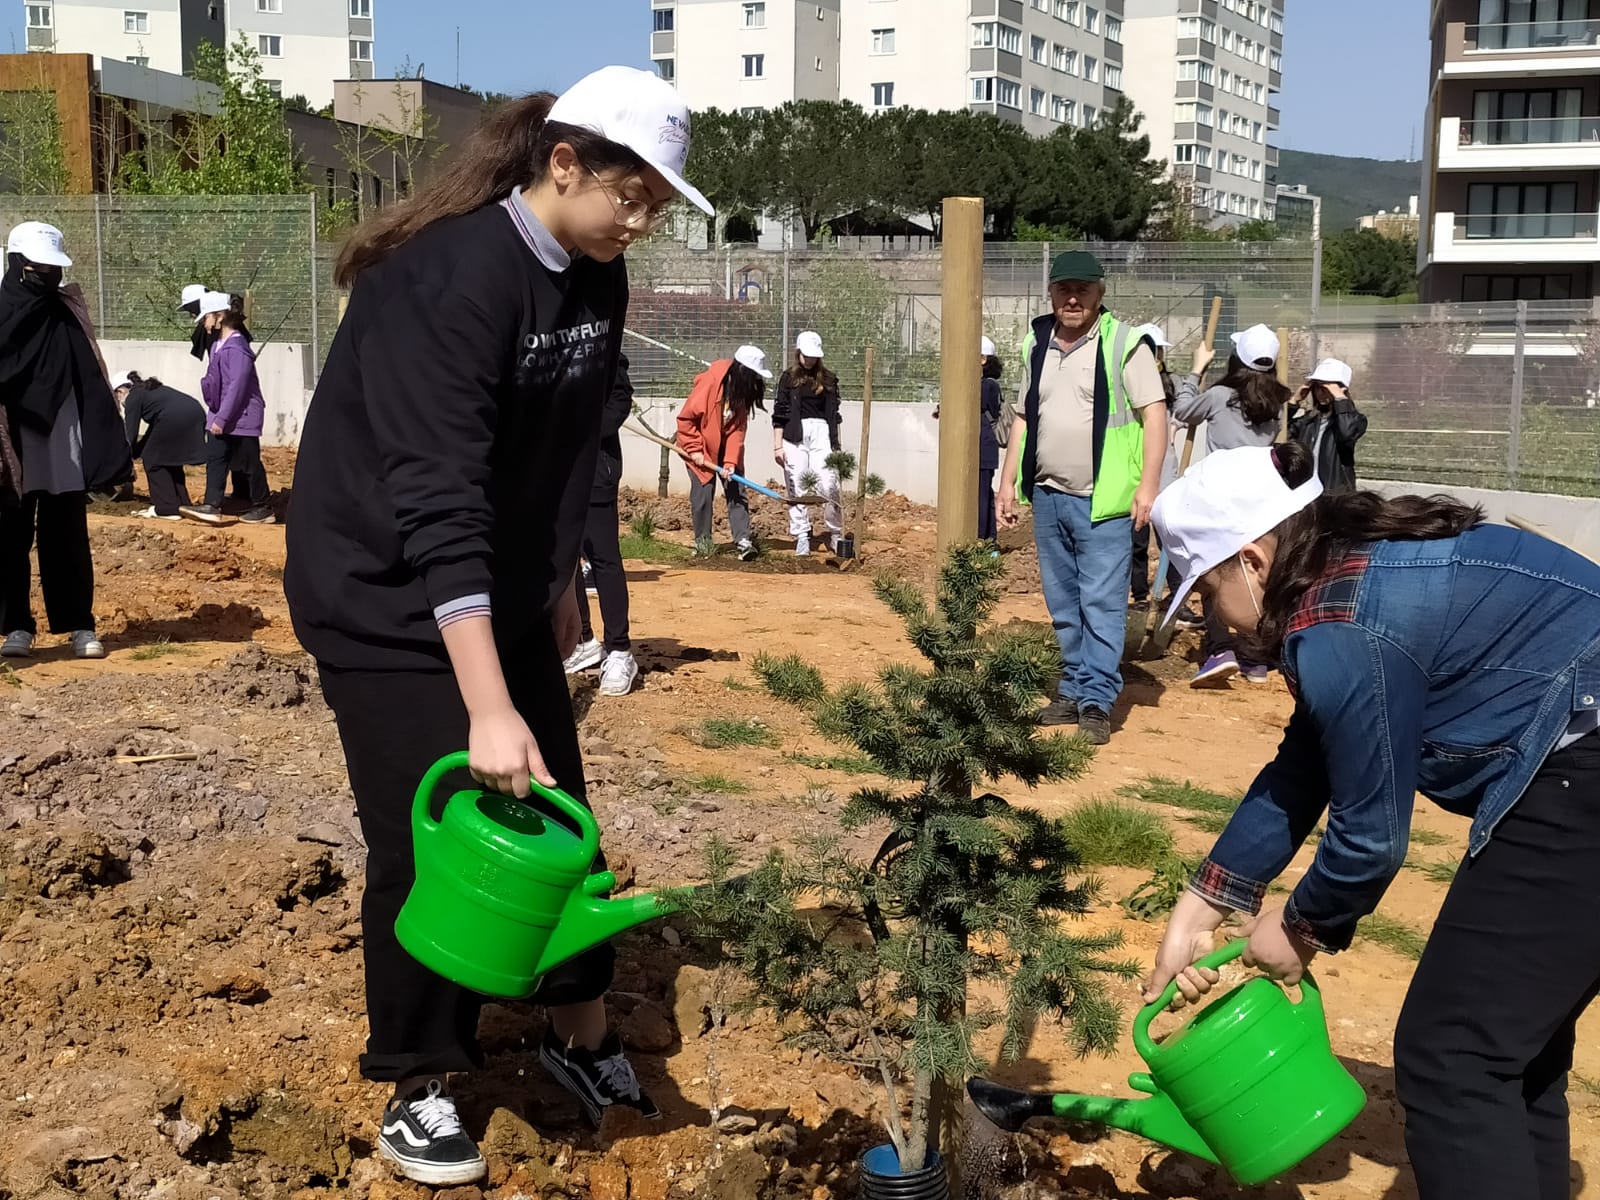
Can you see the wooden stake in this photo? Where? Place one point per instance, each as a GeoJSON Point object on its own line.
{"type": "Point", "coordinates": [960, 377]}
{"type": "Point", "coordinates": [1283, 378]}
{"type": "Point", "coordinates": [861, 467]}
{"type": "Point", "coordinates": [138, 760]}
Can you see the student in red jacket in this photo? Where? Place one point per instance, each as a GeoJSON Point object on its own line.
{"type": "Point", "coordinates": [711, 431]}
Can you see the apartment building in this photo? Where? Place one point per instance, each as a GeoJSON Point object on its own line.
{"type": "Point", "coordinates": [304, 44]}
{"type": "Point", "coordinates": [1206, 74]}
{"type": "Point", "coordinates": [1040, 63]}
{"type": "Point", "coordinates": [1510, 208]}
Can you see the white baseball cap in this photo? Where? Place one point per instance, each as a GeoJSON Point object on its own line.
{"type": "Point", "coordinates": [754, 358]}
{"type": "Point", "coordinates": [39, 243]}
{"type": "Point", "coordinates": [120, 380]}
{"type": "Point", "coordinates": [639, 110]}
{"type": "Point", "coordinates": [1257, 348]}
{"type": "Point", "coordinates": [1331, 370]}
{"type": "Point", "coordinates": [809, 344]}
{"type": "Point", "coordinates": [986, 348]}
{"type": "Point", "coordinates": [213, 302]}
{"type": "Point", "coordinates": [1226, 501]}
{"type": "Point", "coordinates": [1154, 333]}
{"type": "Point", "coordinates": [191, 293]}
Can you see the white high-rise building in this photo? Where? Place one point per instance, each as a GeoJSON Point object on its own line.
{"type": "Point", "coordinates": [1206, 76]}
{"type": "Point", "coordinates": [1039, 63]}
{"type": "Point", "coordinates": [304, 44]}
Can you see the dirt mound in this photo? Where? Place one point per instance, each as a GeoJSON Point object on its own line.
{"type": "Point", "coordinates": [256, 677]}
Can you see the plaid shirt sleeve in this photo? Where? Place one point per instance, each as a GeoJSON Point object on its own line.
{"type": "Point", "coordinates": [1214, 882]}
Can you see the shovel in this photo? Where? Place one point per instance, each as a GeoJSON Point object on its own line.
{"type": "Point", "coordinates": [1158, 634]}
{"type": "Point", "coordinates": [651, 435]}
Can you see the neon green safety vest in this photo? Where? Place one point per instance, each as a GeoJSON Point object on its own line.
{"type": "Point", "coordinates": [1122, 456]}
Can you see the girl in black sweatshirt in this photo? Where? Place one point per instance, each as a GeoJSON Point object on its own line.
{"type": "Point", "coordinates": [439, 502]}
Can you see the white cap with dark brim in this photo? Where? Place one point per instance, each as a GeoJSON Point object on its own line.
{"type": "Point", "coordinates": [639, 110]}
{"type": "Point", "coordinates": [191, 293]}
{"type": "Point", "coordinates": [214, 302]}
{"type": "Point", "coordinates": [754, 358]}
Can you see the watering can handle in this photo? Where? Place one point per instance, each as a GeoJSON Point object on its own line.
{"type": "Point", "coordinates": [422, 806]}
{"type": "Point", "coordinates": [1142, 1042]}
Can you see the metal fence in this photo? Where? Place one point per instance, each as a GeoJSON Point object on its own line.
{"type": "Point", "coordinates": [1499, 396]}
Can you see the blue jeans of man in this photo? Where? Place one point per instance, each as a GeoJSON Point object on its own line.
{"type": "Point", "coordinates": [1084, 566]}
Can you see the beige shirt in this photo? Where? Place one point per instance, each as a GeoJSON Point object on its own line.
{"type": "Point", "coordinates": [1065, 447]}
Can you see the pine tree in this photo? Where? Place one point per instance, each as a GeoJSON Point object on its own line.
{"type": "Point", "coordinates": [874, 962]}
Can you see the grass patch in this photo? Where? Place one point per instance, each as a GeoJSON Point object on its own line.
{"type": "Point", "coordinates": [719, 785]}
{"type": "Point", "coordinates": [845, 764]}
{"type": "Point", "coordinates": [1392, 935]}
{"type": "Point", "coordinates": [719, 733]}
{"type": "Point", "coordinates": [736, 685]}
{"type": "Point", "coordinates": [1109, 833]}
{"type": "Point", "coordinates": [10, 678]}
{"type": "Point", "coordinates": [1427, 837]}
{"type": "Point", "coordinates": [161, 648]}
{"type": "Point", "coordinates": [1443, 871]}
{"type": "Point", "coordinates": [648, 549]}
{"type": "Point", "coordinates": [1585, 1084]}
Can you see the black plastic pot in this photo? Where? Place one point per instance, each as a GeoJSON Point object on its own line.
{"type": "Point", "coordinates": [881, 1178]}
{"type": "Point", "coordinates": [845, 545]}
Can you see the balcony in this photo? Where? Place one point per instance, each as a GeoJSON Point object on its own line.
{"type": "Point", "coordinates": [1533, 35]}
{"type": "Point", "coordinates": [1515, 238]}
{"type": "Point", "coordinates": [1524, 144]}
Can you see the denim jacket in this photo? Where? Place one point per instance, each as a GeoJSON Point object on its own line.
{"type": "Point", "coordinates": [1450, 667]}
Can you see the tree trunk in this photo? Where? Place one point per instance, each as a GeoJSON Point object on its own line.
{"type": "Point", "coordinates": [916, 1148]}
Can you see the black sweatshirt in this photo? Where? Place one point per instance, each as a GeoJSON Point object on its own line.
{"type": "Point", "coordinates": [448, 454]}
{"type": "Point", "coordinates": [619, 407]}
{"type": "Point", "coordinates": [177, 433]}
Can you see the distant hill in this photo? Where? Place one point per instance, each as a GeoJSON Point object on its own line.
{"type": "Point", "coordinates": [1350, 188]}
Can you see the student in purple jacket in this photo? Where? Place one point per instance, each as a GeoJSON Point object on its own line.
{"type": "Point", "coordinates": [237, 412]}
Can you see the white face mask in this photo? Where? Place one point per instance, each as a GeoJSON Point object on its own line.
{"type": "Point", "coordinates": [1250, 587]}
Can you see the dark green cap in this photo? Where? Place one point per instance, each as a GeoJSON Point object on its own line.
{"type": "Point", "coordinates": [1076, 265]}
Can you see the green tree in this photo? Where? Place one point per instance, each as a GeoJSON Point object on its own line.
{"type": "Point", "coordinates": [1257, 231]}
{"type": "Point", "coordinates": [721, 163]}
{"type": "Point", "coordinates": [32, 158]}
{"type": "Point", "coordinates": [1363, 262]}
{"type": "Point", "coordinates": [1099, 180]}
{"type": "Point", "coordinates": [799, 170]}
{"type": "Point", "coordinates": [241, 149]}
{"type": "Point", "coordinates": [876, 961]}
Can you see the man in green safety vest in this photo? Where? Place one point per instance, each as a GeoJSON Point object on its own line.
{"type": "Point", "coordinates": [1088, 436]}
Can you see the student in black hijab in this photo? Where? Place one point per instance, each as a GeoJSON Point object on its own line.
{"type": "Point", "coordinates": [67, 434]}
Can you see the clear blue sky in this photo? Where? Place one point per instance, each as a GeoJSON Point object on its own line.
{"type": "Point", "coordinates": [1354, 70]}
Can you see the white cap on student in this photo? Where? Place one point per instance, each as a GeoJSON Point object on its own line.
{"type": "Point", "coordinates": [119, 381]}
{"type": "Point", "coordinates": [639, 110]}
{"type": "Point", "coordinates": [213, 302]}
{"type": "Point", "coordinates": [1331, 370]}
{"type": "Point", "coordinates": [1154, 333]}
{"type": "Point", "coordinates": [41, 244]}
{"type": "Point", "coordinates": [191, 293]}
{"type": "Point", "coordinates": [986, 348]}
{"type": "Point", "coordinates": [1225, 502]}
{"type": "Point", "coordinates": [809, 344]}
{"type": "Point", "coordinates": [754, 358]}
{"type": "Point", "coordinates": [1257, 348]}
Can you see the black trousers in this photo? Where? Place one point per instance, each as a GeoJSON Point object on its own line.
{"type": "Point", "coordinates": [987, 529]}
{"type": "Point", "coordinates": [1485, 1040]}
{"type": "Point", "coordinates": [602, 547]}
{"type": "Point", "coordinates": [66, 567]}
{"type": "Point", "coordinates": [168, 489]}
{"type": "Point", "coordinates": [242, 456]}
{"type": "Point", "coordinates": [394, 725]}
{"type": "Point", "coordinates": [1140, 574]}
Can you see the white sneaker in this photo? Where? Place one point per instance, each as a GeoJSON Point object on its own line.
{"type": "Point", "coordinates": [146, 512]}
{"type": "Point", "coordinates": [86, 645]}
{"type": "Point", "coordinates": [619, 674]}
{"type": "Point", "coordinates": [588, 654]}
{"type": "Point", "coordinates": [802, 546]}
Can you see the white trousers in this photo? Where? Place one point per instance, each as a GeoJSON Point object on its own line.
{"type": "Point", "coordinates": [810, 455]}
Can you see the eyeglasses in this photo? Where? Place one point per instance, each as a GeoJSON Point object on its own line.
{"type": "Point", "coordinates": [635, 214]}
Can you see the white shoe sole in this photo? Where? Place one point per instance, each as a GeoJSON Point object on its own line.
{"type": "Point", "coordinates": [1215, 676]}
{"type": "Point", "coordinates": [204, 518]}
{"type": "Point", "coordinates": [587, 662]}
{"type": "Point", "coordinates": [434, 1174]}
{"type": "Point", "coordinates": [613, 690]}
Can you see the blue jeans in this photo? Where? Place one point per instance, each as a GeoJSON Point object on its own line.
{"type": "Point", "coordinates": [1084, 566]}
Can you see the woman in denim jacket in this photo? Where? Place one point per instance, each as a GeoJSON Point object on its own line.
{"type": "Point", "coordinates": [1427, 652]}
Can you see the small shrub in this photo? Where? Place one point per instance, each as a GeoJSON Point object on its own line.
{"type": "Point", "coordinates": [161, 648]}
{"type": "Point", "coordinates": [705, 547]}
{"type": "Point", "coordinates": [718, 733]}
{"type": "Point", "coordinates": [810, 481]}
{"type": "Point", "coordinates": [1108, 833]}
{"type": "Point", "coordinates": [1393, 935]}
{"type": "Point", "coordinates": [1427, 837]}
{"type": "Point", "coordinates": [718, 785]}
{"type": "Point", "coordinates": [843, 464]}
{"type": "Point", "coordinates": [641, 549]}
{"type": "Point", "coordinates": [873, 485]}
{"type": "Point", "coordinates": [791, 679]}
{"type": "Point", "coordinates": [643, 525]}
{"type": "Point", "coordinates": [845, 764]}
{"type": "Point", "coordinates": [1157, 896]}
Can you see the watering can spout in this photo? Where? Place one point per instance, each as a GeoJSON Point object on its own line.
{"type": "Point", "coordinates": [590, 919]}
{"type": "Point", "coordinates": [1155, 1117]}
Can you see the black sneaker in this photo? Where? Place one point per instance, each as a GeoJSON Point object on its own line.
{"type": "Point", "coordinates": [422, 1136]}
{"type": "Point", "coordinates": [598, 1078]}
{"type": "Point", "coordinates": [1094, 725]}
{"type": "Point", "coordinates": [1059, 711]}
{"type": "Point", "coordinates": [208, 513]}
{"type": "Point", "coordinates": [258, 516]}
{"type": "Point", "coordinates": [747, 550]}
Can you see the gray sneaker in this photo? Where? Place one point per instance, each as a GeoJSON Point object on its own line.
{"type": "Point", "coordinates": [86, 645]}
{"type": "Point", "coordinates": [18, 644]}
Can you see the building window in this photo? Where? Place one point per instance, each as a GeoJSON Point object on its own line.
{"type": "Point", "coordinates": [1091, 19]}
{"type": "Point", "coordinates": [1067, 10]}
{"type": "Point", "coordinates": [139, 60]}
{"type": "Point", "coordinates": [1197, 27]}
{"type": "Point", "coordinates": [662, 18]}
{"type": "Point", "coordinates": [38, 16]}
{"type": "Point", "coordinates": [275, 86]}
{"type": "Point", "coordinates": [667, 68]}
{"type": "Point", "coordinates": [270, 45]}
{"type": "Point", "coordinates": [1066, 60]}
{"type": "Point", "coordinates": [1113, 77]}
{"type": "Point", "coordinates": [1010, 39]}
{"type": "Point", "coordinates": [1194, 68]}
{"type": "Point", "coordinates": [983, 35]}
{"type": "Point", "coordinates": [1036, 101]}
{"type": "Point", "coordinates": [755, 15]}
{"type": "Point", "coordinates": [818, 62]}
{"type": "Point", "coordinates": [1183, 153]}
{"type": "Point", "coordinates": [1480, 288]}
{"type": "Point", "coordinates": [361, 9]}
{"type": "Point", "coordinates": [1525, 210]}
{"type": "Point", "coordinates": [360, 49]}
{"type": "Point", "coordinates": [883, 95]}
{"type": "Point", "coordinates": [1060, 109]}
{"type": "Point", "coordinates": [1255, 170]}
{"type": "Point", "coordinates": [1090, 116]}
{"type": "Point", "coordinates": [755, 66]}
{"type": "Point", "coordinates": [1037, 48]}
{"type": "Point", "coordinates": [1275, 61]}
{"type": "Point", "coordinates": [135, 22]}
{"type": "Point", "coordinates": [1008, 94]}
{"type": "Point", "coordinates": [269, 6]}
{"type": "Point", "coordinates": [883, 41]}
{"type": "Point", "coordinates": [751, 110]}
{"type": "Point", "coordinates": [1113, 29]}
{"type": "Point", "coordinates": [983, 90]}
{"type": "Point", "coordinates": [1091, 68]}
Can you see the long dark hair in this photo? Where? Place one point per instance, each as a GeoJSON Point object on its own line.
{"type": "Point", "coordinates": [993, 368]}
{"type": "Point", "coordinates": [1321, 534]}
{"type": "Point", "coordinates": [1257, 395]}
{"type": "Point", "coordinates": [743, 388]}
{"type": "Point", "coordinates": [817, 376]}
{"type": "Point", "coordinates": [510, 149]}
{"type": "Point", "coordinates": [1322, 397]}
{"type": "Point", "coordinates": [137, 380]}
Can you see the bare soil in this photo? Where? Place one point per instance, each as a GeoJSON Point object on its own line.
{"type": "Point", "coordinates": [180, 943]}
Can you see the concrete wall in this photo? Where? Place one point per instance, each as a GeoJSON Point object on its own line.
{"type": "Point", "coordinates": [282, 367]}
{"type": "Point", "coordinates": [1570, 519]}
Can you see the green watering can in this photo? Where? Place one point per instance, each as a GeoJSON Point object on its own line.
{"type": "Point", "coordinates": [1249, 1083]}
{"type": "Point", "coordinates": [503, 890]}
